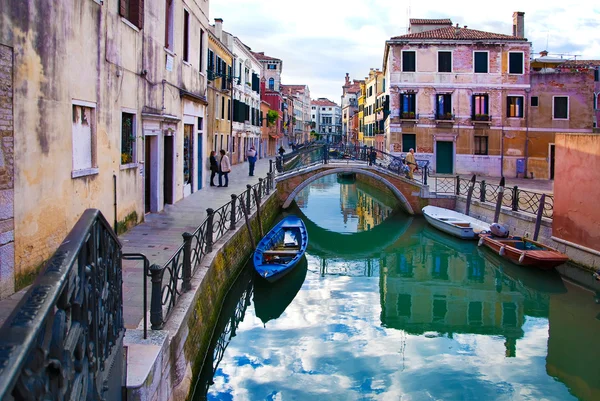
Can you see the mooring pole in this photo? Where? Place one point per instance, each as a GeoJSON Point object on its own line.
{"type": "Point", "coordinates": [257, 200]}
{"type": "Point", "coordinates": [248, 224]}
{"type": "Point", "coordinates": [499, 200]}
{"type": "Point", "coordinates": [470, 194]}
{"type": "Point", "coordinates": [538, 219]}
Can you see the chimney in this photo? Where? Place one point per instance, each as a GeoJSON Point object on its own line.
{"type": "Point", "coordinates": [219, 28]}
{"type": "Point", "coordinates": [519, 24]}
{"type": "Point", "coordinates": [347, 79]}
{"type": "Point", "coordinates": [543, 53]}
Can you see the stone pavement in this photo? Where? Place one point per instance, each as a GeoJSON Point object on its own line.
{"type": "Point", "coordinates": [160, 235]}
{"type": "Point", "coordinates": [543, 186]}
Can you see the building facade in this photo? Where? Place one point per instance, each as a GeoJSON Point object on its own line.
{"type": "Point", "coordinates": [300, 100]}
{"type": "Point", "coordinates": [468, 101]}
{"type": "Point", "coordinates": [373, 87]}
{"type": "Point", "coordinates": [271, 93]}
{"type": "Point", "coordinates": [327, 118]}
{"type": "Point", "coordinates": [219, 77]}
{"type": "Point", "coordinates": [349, 105]}
{"type": "Point", "coordinates": [118, 115]}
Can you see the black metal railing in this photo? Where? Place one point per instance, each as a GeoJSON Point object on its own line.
{"type": "Point", "coordinates": [173, 279]}
{"type": "Point", "coordinates": [64, 338]}
{"type": "Point", "coordinates": [512, 197]}
{"type": "Point", "coordinates": [325, 153]}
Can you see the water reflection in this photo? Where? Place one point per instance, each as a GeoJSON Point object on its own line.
{"type": "Point", "coordinates": [402, 310]}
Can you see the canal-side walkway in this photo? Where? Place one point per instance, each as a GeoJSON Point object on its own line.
{"type": "Point", "coordinates": [160, 235]}
{"type": "Point", "coordinates": [526, 184]}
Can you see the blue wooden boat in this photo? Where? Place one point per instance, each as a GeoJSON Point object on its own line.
{"type": "Point", "coordinates": [281, 249]}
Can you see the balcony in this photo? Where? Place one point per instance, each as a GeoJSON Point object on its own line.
{"type": "Point", "coordinates": [444, 118]}
{"type": "Point", "coordinates": [481, 119]}
{"type": "Point", "coordinates": [409, 116]}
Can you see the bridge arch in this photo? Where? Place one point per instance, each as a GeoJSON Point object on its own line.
{"type": "Point", "coordinates": [399, 195]}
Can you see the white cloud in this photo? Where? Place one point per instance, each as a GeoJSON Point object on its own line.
{"type": "Point", "coordinates": [320, 41]}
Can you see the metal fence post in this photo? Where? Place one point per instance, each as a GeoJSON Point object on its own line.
{"type": "Point", "coordinates": [457, 185]}
{"type": "Point", "coordinates": [233, 214]}
{"type": "Point", "coordinates": [209, 230]}
{"type": "Point", "coordinates": [270, 165]}
{"type": "Point", "coordinates": [515, 198]}
{"type": "Point", "coordinates": [268, 183]}
{"type": "Point", "coordinates": [260, 189]}
{"type": "Point", "coordinates": [482, 191]}
{"type": "Point", "coordinates": [186, 283]}
{"type": "Point", "coordinates": [249, 189]}
{"type": "Point", "coordinates": [425, 173]}
{"type": "Point", "coordinates": [156, 312]}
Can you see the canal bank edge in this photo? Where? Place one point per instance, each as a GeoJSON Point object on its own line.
{"type": "Point", "coordinates": [166, 365]}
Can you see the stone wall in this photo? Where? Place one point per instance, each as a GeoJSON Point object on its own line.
{"type": "Point", "coordinates": [7, 250]}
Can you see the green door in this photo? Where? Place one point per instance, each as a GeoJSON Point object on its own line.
{"type": "Point", "coordinates": [444, 157]}
{"type": "Point", "coordinates": [409, 141]}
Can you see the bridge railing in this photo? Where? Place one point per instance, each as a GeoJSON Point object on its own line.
{"type": "Point", "coordinates": [173, 279]}
{"type": "Point", "coordinates": [64, 338]}
{"type": "Point", "coordinates": [512, 197]}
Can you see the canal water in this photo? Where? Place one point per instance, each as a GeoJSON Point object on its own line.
{"type": "Point", "coordinates": [385, 307]}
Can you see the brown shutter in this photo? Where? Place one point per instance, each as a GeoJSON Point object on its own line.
{"type": "Point", "coordinates": [122, 8]}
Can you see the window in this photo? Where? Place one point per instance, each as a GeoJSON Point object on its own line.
{"type": "Point", "coordinates": [509, 314]}
{"type": "Point", "coordinates": [597, 74]}
{"type": "Point", "coordinates": [228, 109]}
{"type": "Point", "coordinates": [169, 25]}
{"type": "Point", "coordinates": [475, 313]}
{"type": "Point", "coordinates": [404, 305]}
{"type": "Point", "coordinates": [560, 109]}
{"type": "Point", "coordinates": [271, 84]}
{"type": "Point", "coordinates": [201, 50]}
{"type": "Point", "coordinates": [515, 63]}
{"type": "Point", "coordinates": [271, 66]}
{"type": "Point", "coordinates": [200, 123]}
{"type": "Point", "coordinates": [440, 308]}
{"type": "Point", "coordinates": [480, 107]}
{"type": "Point", "coordinates": [444, 106]}
{"type": "Point", "coordinates": [186, 36]}
{"type": "Point", "coordinates": [128, 135]}
{"type": "Point", "coordinates": [534, 101]}
{"type": "Point", "coordinates": [480, 62]}
{"type": "Point", "coordinates": [480, 145]}
{"type": "Point", "coordinates": [132, 11]}
{"type": "Point", "coordinates": [514, 106]}
{"type": "Point", "coordinates": [409, 61]}
{"type": "Point", "coordinates": [222, 107]}
{"type": "Point", "coordinates": [408, 105]}
{"type": "Point", "coordinates": [84, 140]}
{"type": "Point", "coordinates": [598, 102]}
{"type": "Point", "coordinates": [211, 65]}
{"type": "Point", "coordinates": [444, 61]}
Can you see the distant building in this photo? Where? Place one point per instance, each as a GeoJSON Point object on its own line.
{"type": "Point", "coordinates": [300, 95]}
{"type": "Point", "coordinates": [349, 105]}
{"type": "Point", "coordinates": [327, 118]}
{"type": "Point", "coordinates": [373, 129]}
{"type": "Point", "coordinates": [271, 93]}
{"type": "Point", "coordinates": [472, 102]}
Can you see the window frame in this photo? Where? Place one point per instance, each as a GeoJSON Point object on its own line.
{"type": "Point", "coordinates": [554, 105]}
{"type": "Point", "coordinates": [134, 155]}
{"type": "Point", "coordinates": [537, 101]}
{"type": "Point", "coordinates": [522, 106]}
{"type": "Point", "coordinates": [169, 25]}
{"type": "Point", "coordinates": [522, 63]}
{"type": "Point", "coordinates": [437, 112]}
{"type": "Point", "coordinates": [451, 59]}
{"type": "Point", "coordinates": [477, 147]}
{"type": "Point", "coordinates": [185, 56]}
{"type": "Point", "coordinates": [271, 81]}
{"type": "Point", "coordinates": [412, 103]}
{"type": "Point", "coordinates": [93, 140]}
{"type": "Point", "coordinates": [415, 60]}
{"type": "Point", "coordinates": [487, 70]}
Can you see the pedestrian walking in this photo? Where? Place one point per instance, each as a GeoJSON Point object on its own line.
{"type": "Point", "coordinates": [412, 163]}
{"type": "Point", "coordinates": [281, 151]}
{"type": "Point", "coordinates": [224, 169]}
{"type": "Point", "coordinates": [372, 156]}
{"type": "Point", "coordinates": [214, 167]}
{"type": "Point", "coordinates": [251, 154]}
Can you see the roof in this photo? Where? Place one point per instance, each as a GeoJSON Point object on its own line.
{"type": "Point", "coordinates": [457, 33]}
{"type": "Point", "coordinates": [293, 88]}
{"type": "Point", "coordinates": [261, 57]}
{"type": "Point", "coordinates": [439, 21]}
{"type": "Point", "coordinates": [580, 63]}
{"type": "Point", "coordinates": [323, 102]}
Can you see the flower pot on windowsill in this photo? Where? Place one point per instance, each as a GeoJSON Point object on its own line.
{"type": "Point", "coordinates": [446, 117]}
{"type": "Point", "coordinates": [481, 118]}
{"type": "Point", "coordinates": [409, 115]}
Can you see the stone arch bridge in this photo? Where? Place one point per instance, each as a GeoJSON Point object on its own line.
{"type": "Point", "coordinates": [411, 195]}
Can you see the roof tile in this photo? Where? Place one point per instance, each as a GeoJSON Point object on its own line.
{"type": "Point", "coordinates": [423, 21]}
{"type": "Point", "coordinates": [457, 33]}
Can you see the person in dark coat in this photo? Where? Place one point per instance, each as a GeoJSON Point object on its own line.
{"type": "Point", "coordinates": [281, 151]}
{"type": "Point", "coordinates": [372, 156]}
{"type": "Point", "coordinates": [214, 167]}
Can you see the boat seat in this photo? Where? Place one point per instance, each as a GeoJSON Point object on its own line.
{"type": "Point", "coordinates": [461, 224]}
{"type": "Point", "coordinates": [280, 252]}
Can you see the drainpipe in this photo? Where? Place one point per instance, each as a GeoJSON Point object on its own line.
{"type": "Point", "coordinates": [528, 105]}
{"type": "Point", "coordinates": [115, 198]}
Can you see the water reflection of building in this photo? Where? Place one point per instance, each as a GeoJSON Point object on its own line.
{"type": "Point", "coordinates": [370, 210]}
{"type": "Point", "coordinates": [348, 200]}
{"type": "Point", "coordinates": [573, 355]}
{"type": "Point", "coordinates": [447, 289]}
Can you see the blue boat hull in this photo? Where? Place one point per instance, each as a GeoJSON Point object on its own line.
{"type": "Point", "coordinates": [280, 250]}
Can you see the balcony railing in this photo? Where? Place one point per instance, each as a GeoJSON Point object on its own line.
{"type": "Point", "coordinates": [481, 118]}
{"type": "Point", "coordinates": [444, 117]}
{"type": "Point", "coordinates": [409, 116]}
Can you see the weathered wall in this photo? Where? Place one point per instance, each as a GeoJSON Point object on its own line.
{"type": "Point", "coordinates": [7, 249]}
{"type": "Point", "coordinates": [576, 214]}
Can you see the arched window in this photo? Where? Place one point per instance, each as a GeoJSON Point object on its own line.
{"type": "Point", "coordinates": [272, 84]}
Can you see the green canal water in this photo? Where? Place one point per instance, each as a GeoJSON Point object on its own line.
{"type": "Point", "coordinates": [385, 307]}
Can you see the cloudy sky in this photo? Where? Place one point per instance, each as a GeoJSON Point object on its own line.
{"type": "Point", "coordinates": [320, 40]}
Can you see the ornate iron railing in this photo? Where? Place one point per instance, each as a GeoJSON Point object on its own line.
{"type": "Point", "coordinates": [64, 338]}
{"type": "Point", "coordinates": [172, 279]}
{"type": "Point", "coordinates": [512, 197]}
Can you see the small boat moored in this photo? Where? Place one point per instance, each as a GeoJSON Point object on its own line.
{"type": "Point", "coordinates": [523, 251]}
{"type": "Point", "coordinates": [454, 223]}
{"type": "Point", "coordinates": [281, 248]}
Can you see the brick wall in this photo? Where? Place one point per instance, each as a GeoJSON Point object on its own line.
{"type": "Point", "coordinates": [7, 250]}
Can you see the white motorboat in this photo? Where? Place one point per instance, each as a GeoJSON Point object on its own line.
{"type": "Point", "coordinates": [454, 223]}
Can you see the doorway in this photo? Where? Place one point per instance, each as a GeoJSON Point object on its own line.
{"type": "Point", "coordinates": [200, 160]}
{"type": "Point", "coordinates": [552, 150]}
{"type": "Point", "coordinates": [188, 159]}
{"type": "Point", "coordinates": [168, 170]}
{"type": "Point", "coordinates": [444, 157]}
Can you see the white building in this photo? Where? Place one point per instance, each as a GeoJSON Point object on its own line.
{"type": "Point", "coordinates": [327, 118]}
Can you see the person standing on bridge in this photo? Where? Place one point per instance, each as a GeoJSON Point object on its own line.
{"type": "Point", "coordinates": [410, 160]}
{"type": "Point", "coordinates": [224, 169]}
{"type": "Point", "coordinates": [251, 154]}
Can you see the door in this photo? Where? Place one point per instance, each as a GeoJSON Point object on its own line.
{"type": "Point", "coordinates": [200, 161]}
{"type": "Point", "coordinates": [444, 163]}
{"type": "Point", "coordinates": [188, 158]}
{"type": "Point", "coordinates": [409, 141]}
{"type": "Point", "coordinates": [148, 173]}
{"type": "Point", "coordinates": [551, 162]}
{"type": "Point", "coordinates": [168, 170]}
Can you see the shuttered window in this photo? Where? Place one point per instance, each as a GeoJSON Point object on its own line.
{"type": "Point", "coordinates": [480, 62]}
{"type": "Point", "coordinates": [515, 63]}
{"type": "Point", "coordinates": [561, 107]}
{"type": "Point", "coordinates": [444, 61]}
{"type": "Point", "coordinates": [409, 61]}
{"type": "Point", "coordinates": [132, 11]}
